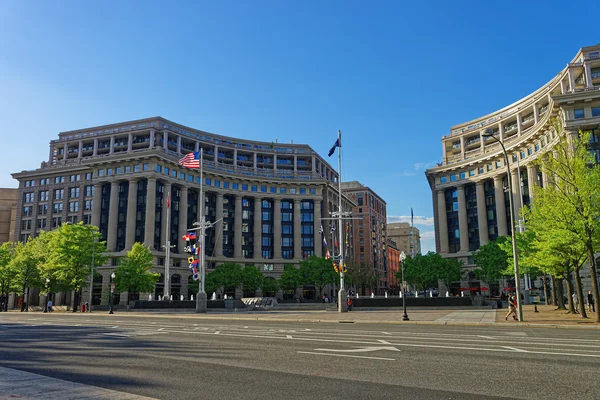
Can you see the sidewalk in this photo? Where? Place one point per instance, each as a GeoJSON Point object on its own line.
{"type": "Point", "coordinates": [547, 317]}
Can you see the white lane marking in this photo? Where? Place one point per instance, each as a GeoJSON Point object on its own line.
{"type": "Point", "coordinates": [289, 336]}
{"type": "Point", "coordinates": [218, 332]}
{"type": "Point", "coordinates": [161, 329]}
{"type": "Point", "coordinates": [346, 355]}
{"type": "Point", "coordinates": [386, 333]}
{"type": "Point", "coordinates": [360, 350]}
{"type": "Point", "coordinates": [245, 327]}
{"type": "Point", "coordinates": [485, 337]}
{"type": "Point", "coordinates": [515, 349]}
{"type": "Point", "coordinates": [115, 327]}
{"type": "Point", "coordinates": [307, 330]}
{"type": "Point", "coordinates": [383, 341]}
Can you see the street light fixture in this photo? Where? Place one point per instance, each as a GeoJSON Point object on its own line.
{"type": "Point", "coordinates": [112, 290]}
{"type": "Point", "coordinates": [490, 134]}
{"type": "Point", "coordinates": [405, 316]}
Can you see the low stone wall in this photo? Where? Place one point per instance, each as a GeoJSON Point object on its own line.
{"type": "Point", "coordinates": [412, 302]}
{"type": "Point", "coordinates": [158, 304]}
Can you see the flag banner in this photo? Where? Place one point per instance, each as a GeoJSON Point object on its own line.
{"type": "Point", "coordinates": [196, 277]}
{"type": "Point", "coordinates": [321, 229]}
{"type": "Point", "coordinates": [332, 150]}
{"type": "Point", "coordinates": [332, 227]}
{"type": "Point", "coordinates": [324, 242]}
{"type": "Point", "coordinates": [191, 160]}
{"type": "Point", "coordinates": [194, 270]}
{"type": "Point", "coordinates": [335, 243]}
{"type": "Point", "coordinates": [327, 256]}
{"type": "Point", "coordinates": [169, 200]}
{"type": "Point", "coordinates": [191, 260]}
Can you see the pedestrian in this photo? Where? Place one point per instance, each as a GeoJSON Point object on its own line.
{"type": "Point", "coordinates": [512, 307]}
{"type": "Point", "coordinates": [575, 303]}
{"type": "Point", "coordinates": [350, 303]}
{"type": "Point", "coordinates": [49, 305]}
{"type": "Point", "coordinates": [590, 301]}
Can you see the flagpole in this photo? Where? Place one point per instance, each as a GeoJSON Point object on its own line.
{"type": "Point", "coordinates": [201, 297]}
{"type": "Point", "coordinates": [167, 286]}
{"type": "Point", "coordinates": [342, 304]}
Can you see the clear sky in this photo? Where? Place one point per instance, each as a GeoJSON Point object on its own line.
{"type": "Point", "coordinates": [393, 76]}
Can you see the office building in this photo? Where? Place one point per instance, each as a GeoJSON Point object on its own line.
{"type": "Point", "coordinates": [469, 185]}
{"type": "Point", "coordinates": [407, 238]}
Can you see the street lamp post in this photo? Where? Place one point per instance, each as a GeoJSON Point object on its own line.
{"type": "Point", "coordinates": [489, 133]}
{"type": "Point", "coordinates": [47, 296]}
{"type": "Point", "coordinates": [92, 269]}
{"type": "Point", "coordinates": [405, 316]}
{"type": "Point", "coordinates": [112, 290]}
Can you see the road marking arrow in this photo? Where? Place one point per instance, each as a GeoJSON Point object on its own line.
{"type": "Point", "coordinates": [360, 350]}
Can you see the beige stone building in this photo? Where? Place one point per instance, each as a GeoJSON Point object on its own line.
{"type": "Point", "coordinates": [8, 214]}
{"type": "Point", "coordinates": [470, 185]}
{"type": "Point", "coordinates": [407, 238]}
{"type": "Point", "coordinates": [267, 199]}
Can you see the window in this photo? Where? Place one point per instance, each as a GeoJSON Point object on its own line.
{"type": "Point", "coordinates": [453, 177]}
{"type": "Point", "coordinates": [207, 182]}
{"type": "Point", "coordinates": [41, 223]}
{"type": "Point", "coordinates": [29, 197]}
{"type": "Point", "coordinates": [127, 169]}
{"type": "Point", "coordinates": [158, 168]}
{"type": "Point", "coordinates": [73, 206]}
{"type": "Point", "coordinates": [263, 189]}
{"type": "Point", "coordinates": [225, 185]}
{"type": "Point", "coordinates": [595, 111]}
{"type": "Point", "coordinates": [43, 209]}
{"type": "Point", "coordinates": [74, 178]}
{"type": "Point", "coordinates": [109, 171]}
{"type": "Point", "coordinates": [182, 176]}
{"type": "Point", "coordinates": [312, 191]}
{"type": "Point", "coordinates": [44, 195]}
{"type": "Point", "coordinates": [292, 190]}
{"type": "Point", "coordinates": [480, 170]}
{"type": "Point", "coordinates": [87, 206]}
{"type": "Point", "coordinates": [57, 208]}
{"type": "Point", "coordinates": [253, 188]}
{"type": "Point", "coordinates": [101, 172]}
{"type": "Point", "coordinates": [59, 194]}
{"type": "Point", "coordinates": [302, 190]}
{"type": "Point", "coordinates": [578, 113]}
{"type": "Point", "coordinates": [73, 193]}
{"type": "Point", "coordinates": [273, 189]}
{"type": "Point", "coordinates": [443, 179]}
{"type": "Point", "coordinates": [244, 187]}
{"type": "Point", "coordinates": [88, 176]}
{"type": "Point", "coordinates": [27, 211]}
{"type": "Point", "coordinates": [235, 186]}
{"type": "Point", "coordinates": [146, 167]}
{"type": "Point", "coordinates": [472, 172]}
{"type": "Point", "coordinates": [360, 199]}
{"type": "Point", "coordinates": [463, 175]}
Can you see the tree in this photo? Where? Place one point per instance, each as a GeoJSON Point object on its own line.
{"type": "Point", "coordinates": [291, 279]}
{"type": "Point", "coordinates": [69, 255]}
{"type": "Point", "coordinates": [361, 276]}
{"type": "Point", "coordinates": [252, 280]}
{"type": "Point", "coordinates": [425, 271]}
{"type": "Point", "coordinates": [7, 272]}
{"type": "Point", "coordinates": [133, 273]}
{"type": "Point", "coordinates": [448, 270]}
{"type": "Point", "coordinates": [491, 261]}
{"type": "Point", "coordinates": [26, 266]}
{"type": "Point", "coordinates": [270, 286]}
{"type": "Point", "coordinates": [318, 271]}
{"type": "Point", "coordinates": [570, 202]}
{"type": "Point", "coordinates": [227, 276]}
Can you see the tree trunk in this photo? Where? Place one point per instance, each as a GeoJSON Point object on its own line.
{"type": "Point", "coordinates": [569, 292]}
{"type": "Point", "coordinates": [545, 289]}
{"type": "Point", "coordinates": [594, 276]}
{"type": "Point", "coordinates": [560, 298]}
{"type": "Point", "coordinates": [555, 291]}
{"type": "Point", "coordinates": [579, 290]}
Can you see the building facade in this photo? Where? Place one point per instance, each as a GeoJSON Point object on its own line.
{"type": "Point", "coordinates": [369, 231]}
{"type": "Point", "coordinates": [407, 238]}
{"type": "Point", "coordinates": [267, 198]}
{"type": "Point", "coordinates": [8, 214]}
{"type": "Point", "coordinates": [469, 186]}
{"type": "Point", "coordinates": [393, 257]}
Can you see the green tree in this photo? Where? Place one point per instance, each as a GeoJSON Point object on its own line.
{"type": "Point", "coordinates": [291, 279]}
{"type": "Point", "coordinates": [226, 276]}
{"type": "Point", "coordinates": [133, 273]}
{"type": "Point", "coordinates": [420, 270]}
{"type": "Point", "coordinates": [25, 264]}
{"type": "Point", "coordinates": [270, 286]}
{"type": "Point", "coordinates": [69, 256]}
{"type": "Point", "coordinates": [448, 270]}
{"type": "Point", "coordinates": [8, 282]}
{"type": "Point", "coordinates": [570, 202]}
{"type": "Point", "coordinates": [491, 261]}
{"type": "Point", "coordinates": [252, 280]}
{"type": "Point", "coordinates": [361, 276]}
{"type": "Point", "coordinates": [318, 271]}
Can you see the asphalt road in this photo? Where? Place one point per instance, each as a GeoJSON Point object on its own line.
{"type": "Point", "coordinates": [185, 357]}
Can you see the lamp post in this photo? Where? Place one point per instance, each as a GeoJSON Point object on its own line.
{"type": "Point", "coordinates": [92, 269]}
{"type": "Point", "coordinates": [47, 296]}
{"type": "Point", "coordinates": [489, 133]}
{"type": "Point", "coordinates": [112, 290]}
{"type": "Point", "coordinates": [405, 316]}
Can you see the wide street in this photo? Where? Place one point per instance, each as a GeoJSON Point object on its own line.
{"type": "Point", "coordinates": [185, 357]}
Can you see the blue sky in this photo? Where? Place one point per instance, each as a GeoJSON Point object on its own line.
{"type": "Point", "coordinates": [393, 76]}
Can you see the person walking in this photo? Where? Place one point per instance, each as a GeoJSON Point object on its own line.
{"type": "Point", "coordinates": [575, 303]}
{"type": "Point", "coordinates": [512, 307]}
{"type": "Point", "coordinates": [590, 301]}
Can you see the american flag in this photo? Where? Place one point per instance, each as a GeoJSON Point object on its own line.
{"type": "Point", "coordinates": [191, 160]}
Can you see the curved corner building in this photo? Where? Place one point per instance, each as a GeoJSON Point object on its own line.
{"type": "Point", "coordinates": [470, 186]}
{"type": "Point", "coordinates": [269, 196]}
